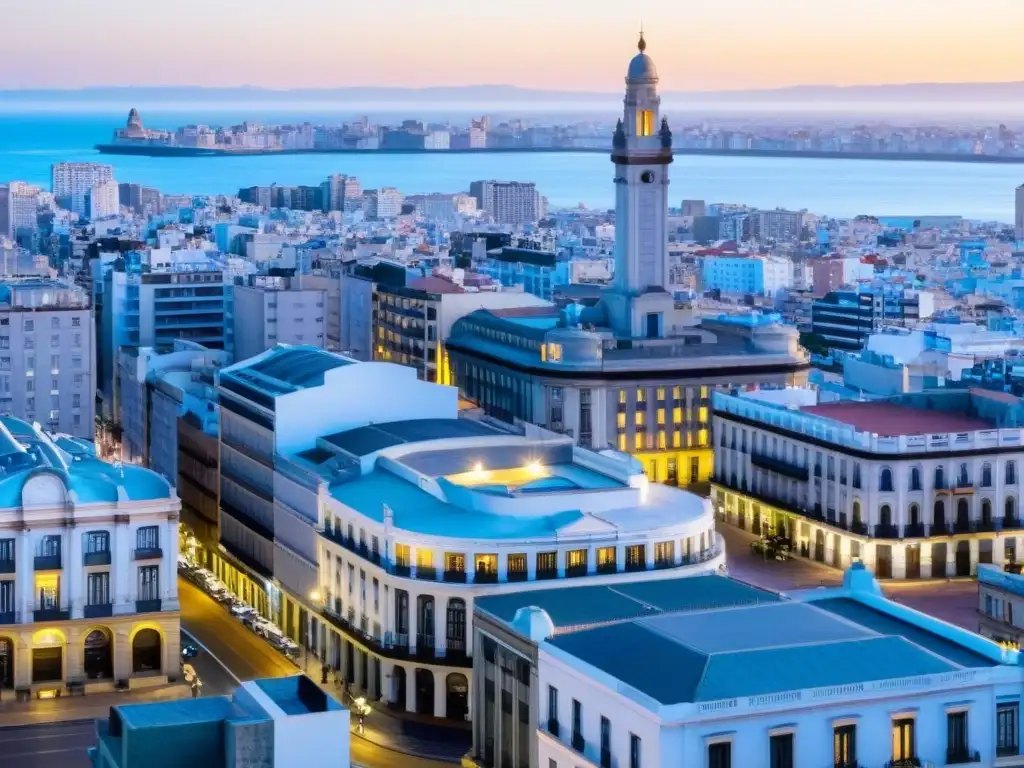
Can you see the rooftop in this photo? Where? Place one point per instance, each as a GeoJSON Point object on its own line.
{"type": "Point", "coordinates": [365, 440]}
{"type": "Point", "coordinates": [286, 369]}
{"type": "Point", "coordinates": [882, 418]}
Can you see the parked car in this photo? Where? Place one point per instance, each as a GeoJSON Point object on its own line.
{"type": "Point", "coordinates": [189, 651]}
{"type": "Point", "coordinates": [240, 609]}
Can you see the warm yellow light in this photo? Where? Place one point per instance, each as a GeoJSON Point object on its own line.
{"type": "Point", "coordinates": [535, 467]}
{"type": "Point", "coordinates": [315, 596]}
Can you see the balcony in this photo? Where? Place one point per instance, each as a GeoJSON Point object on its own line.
{"type": "Point", "coordinates": [426, 573]}
{"type": "Point", "coordinates": [904, 762]}
{"type": "Point", "coordinates": [50, 614]}
{"type": "Point", "coordinates": [965, 526]}
{"type": "Point", "coordinates": [636, 566]}
{"type": "Point", "coordinates": [99, 611]}
{"type": "Point", "coordinates": [485, 577]}
{"type": "Point", "coordinates": [517, 576]}
{"type": "Point", "coordinates": [913, 531]}
{"type": "Point", "coordinates": [552, 726]}
{"type": "Point", "coordinates": [573, 571]}
{"type": "Point", "coordinates": [48, 562]}
{"type": "Point", "coordinates": [887, 531]}
{"type": "Point", "coordinates": [148, 606]}
{"type": "Point", "coordinates": [147, 553]}
{"type": "Point", "coordinates": [96, 558]}
{"type": "Point", "coordinates": [400, 569]}
{"type": "Point", "coordinates": [610, 567]}
{"type": "Point", "coordinates": [455, 577]}
{"type": "Point", "coordinates": [859, 527]}
{"type": "Point", "coordinates": [962, 757]}
{"type": "Point", "coordinates": [986, 525]}
{"type": "Point", "coordinates": [1011, 522]}
{"type": "Point", "coordinates": [547, 573]}
{"type": "Point", "coordinates": [781, 467]}
{"type": "Point", "coordinates": [662, 564]}
{"type": "Point", "coordinates": [578, 743]}
{"type": "Point", "coordinates": [1011, 751]}
{"type": "Point", "coordinates": [940, 529]}
{"type": "Point", "coordinates": [606, 758]}
{"type": "Point", "coordinates": [8, 617]}
{"type": "Point", "coordinates": [7, 566]}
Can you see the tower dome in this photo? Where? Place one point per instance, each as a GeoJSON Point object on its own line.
{"type": "Point", "coordinates": [641, 67]}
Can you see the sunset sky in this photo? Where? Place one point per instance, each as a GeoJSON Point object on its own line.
{"type": "Point", "coordinates": [551, 44]}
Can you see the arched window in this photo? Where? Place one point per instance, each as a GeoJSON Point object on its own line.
{"type": "Point", "coordinates": [885, 480]}
{"type": "Point", "coordinates": [99, 663]}
{"type": "Point", "coordinates": [986, 512]}
{"type": "Point", "coordinates": [1011, 472]}
{"type": "Point", "coordinates": [1010, 509]}
{"type": "Point", "coordinates": [915, 478]}
{"type": "Point", "coordinates": [986, 475]}
{"type": "Point", "coordinates": [146, 651]}
{"type": "Point", "coordinates": [914, 515]}
{"type": "Point", "coordinates": [425, 621]}
{"type": "Point", "coordinates": [963, 515]}
{"type": "Point", "coordinates": [885, 515]}
{"type": "Point", "coordinates": [939, 516]}
{"type": "Point", "coordinates": [940, 478]}
{"type": "Point", "coordinates": [856, 511]}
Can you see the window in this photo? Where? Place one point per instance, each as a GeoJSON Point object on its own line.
{"type": "Point", "coordinates": [903, 739]}
{"type": "Point", "coordinates": [553, 710]}
{"type": "Point", "coordinates": [606, 559]}
{"type": "Point", "coordinates": [97, 589]}
{"type": "Point", "coordinates": [454, 562]}
{"type": "Point", "coordinates": [29, 325]}
{"type": "Point", "coordinates": [402, 555]}
{"type": "Point", "coordinates": [55, 322]}
{"type": "Point", "coordinates": [149, 582]}
{"type": "Point", "coordinates": [1011, 472]}
{"type": "Point", "coordinates": [780, 747]}
{"type": "Point", "coordinates": [856, 475]}
{"type": "Point", "coordinates": [547, 562]}
{"type": "Point", "coordinates": [664, 554]}
{"type": "Point", "coordinates": [720, 755]}
{"type": "Point", "coordinates": [486, 564]}
{"type": "Point", "coordinates": [885, 480]}
{"type": "Point", "coordinates": [76, 322]}
{"type": "Point", "coordinates": [940, 478]}
{"type": "Point", "coordinates": [634, 751]}
{"type": "Point", "coordinates": [986, 476]}
{"type": "Point", "coordinates": [517, 564]}
{"type": "Point", "coordinates": [645, 122]}
{"type": "Point", "coordinates": [606, 742]}
{"type": "Point", "coordinates": [635, 557]}
{"type": "Point", "coordinates": [1007, 729]}
{"type": "Point", "coordinates": [577, 726]}
{"type": "Point", "coordinates": [7, 550]}
{"type": "Point", "coordinates": [956, 737]}
{"type": "Point", "coordinates": [96, 542]}
{"type": "Point", "coordinates": [576, 560]}
{"type": "Point", "coordinates": [915, 479]}
{"type": "Point", "coordinates": [148, 537]}
{"type": "Point", "coordinates": [844, 746]}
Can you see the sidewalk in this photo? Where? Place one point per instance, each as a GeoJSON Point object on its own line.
{"type": "Point", "coordinates": [93, 707]}
{"type": "Point", "coordinates": [410, 734]}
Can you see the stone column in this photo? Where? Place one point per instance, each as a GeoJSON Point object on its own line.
{"type": "Point", "coordinates": [951, 557]}
{"type": "Point", "coordinates": [899, 560]}
{"type": "Point", "coordinates": [74, 656]}
{"type": "Point", "coordinates": [169, 566]}
{"type": "Point", "coordinates": [441, 622]}
{"type": "Point", "coordinates": [25, 565]}
{"type": "Point", "coordinates": [998, 552]}
{"type": "Point", "coordinates": [357, 658]}
{"type": "Point", "coordinates": [343, 656]}
{"type": "Point", "coordinates": [440, 694]}
{"type": "Point", "coordinates": [410, 689]}
{"type": "Point", "coordinates": [22, 663]}
{"type": "Point", "coordinates": [973, 543]}
{"type": "Point", "coordinates": [71, 572]}
{"type": "Point", "coordinates": [123, 587]}
{"type": "Point", "coordinates": [414, 610]}
{"type": "Point", "coordinates": [926, 559]}
{"type": "Point", "coordinates": [387, 670]}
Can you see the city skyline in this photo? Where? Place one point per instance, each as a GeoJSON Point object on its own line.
{"type": "Point", "coordinates": [782, 44]}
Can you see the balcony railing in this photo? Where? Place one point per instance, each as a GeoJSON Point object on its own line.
{"type": "Point", "coordinates": [1011, 522]}
{"type": "Point", "coordinates": [887, 531]}
{"type": "Point", "coordinates": [98, 611]}
{"type": "Point", "coordinates": [148, 553]}
{"type": "Point", "coordinates": [575, 570]}
{"type": "Point", "coordinates": [609, 567]}
{"type": "Point", "coordinates": [395, 645]}
{"type": "Point", "coordinates": [988, 525]}
{"type": "Point", "coordinates": [913, 531]}
{"type": "Point", "coordinates": [962, 756]}
{"type": "Point", "coordinates": [7, 566]}
{"type": "Point", "coordinates": [455, 577]}
{"type": "Point", "coordinates": [781, 467]}
{"type": "Point", "coordinates": [485, 577]}
{"type": "Point", "coordinates": [552, 726]}
{"type": "Point", "coordinates": [426, 573]}
{"type": "Point", "coordinates": [965, 526]}
{"type": "Point", "coordinates": [517, 576]}
{"type": "Point", "coordinates": [48, 562]}
{"type": "Point", "coordinates": [940, 529]}
{"type": "Point", "coordinates": [401, 569]}
{"type": "Point", "coordinates": [8, 617]}
{"type": "Point", "coordinates": [547, 573]}
{"type": "Point", "coordinates": [1009, 751]}
{"type": "Point", "coordinates": [147, 606]}
{"type": "Point", "coordinates": [606, 758]}
{"type": "Point", "coordinates": [904, 762]}
{"type": "Point", "coordinates": [635, 566]}
{"type": "Point", "coordinates": [663, 563]}
{"type": "Point", "coordinates": [859, 527]}
{"type": "Point", "coordinates": [578, 743]}
{"type": "Point", "coordinates": [96, 558]}
{"type": "Point", "coordinates": [50, 614]}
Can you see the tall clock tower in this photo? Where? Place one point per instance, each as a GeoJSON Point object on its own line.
{"type": "Point", "coordinates": [639, 305]}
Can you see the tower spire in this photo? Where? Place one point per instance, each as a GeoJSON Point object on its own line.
{"type": "Point", "coordinates": [642, 44]}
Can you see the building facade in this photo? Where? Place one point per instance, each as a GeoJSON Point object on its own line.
{"type": "Point", "coordinates": [270, 311]}
{"type": "Point", "coordinates": [1001, 604]}
{"type": "Point", "coordinates": [508, 203]}
{"type": "Point", "coordinates": [730, 678]}
{"type": "Point", "coordinates": [72, 183]}
{"type": "Point", "coordinates": [88, 595]}
{"type": "Point", "coordinates": [924, 485]}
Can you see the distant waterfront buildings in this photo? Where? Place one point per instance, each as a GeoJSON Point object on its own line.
{"type": "Point", "coordinates": [384, 203]}
{"type": "Point", "coordinates": [22, 209]}
{"type": "Point", "coordinates": [510, 203]}
{"type": "Point", "coordinates": [1019, 216]}
{"type": "Point", "coordinates": [103, 200]}
{"type": "Point", "coordinates": [72, 183]}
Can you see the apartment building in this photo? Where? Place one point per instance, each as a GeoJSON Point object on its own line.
{"type": "Point", "coordinates": [384, 203]}
{"type": "Point", "coordinates": [72, 183]}
{"type": "Point", "coordinates": [47, 355]}
{"type": "Point", "coordinates": [274, 310]}
{"type": "Point", "coordinates": [1001, 603]}
{"type": "Point", "coordinates": [103, 200]}
{"type": "Point", "coordinates": [88, 569]}
{"type": "Point", "coordinates": [509, 203]}
{"type": "Point", "coordinates": [22, 208]}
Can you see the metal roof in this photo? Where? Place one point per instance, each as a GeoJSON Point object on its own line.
{"type": "Point", "coordinates": [375, 437]}
{"type": "Point", "coordinates": [288, 369]}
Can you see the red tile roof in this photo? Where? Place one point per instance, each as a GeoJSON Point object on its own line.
{"type": "Point", "coordinates": [889, 419]}
{"type": "Point", "coordinates": [432, 284]}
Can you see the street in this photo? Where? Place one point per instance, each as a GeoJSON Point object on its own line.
{"type": "Point", "coordinates": [60, 745]}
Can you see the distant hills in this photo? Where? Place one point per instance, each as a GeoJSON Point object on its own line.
{"type": "Point", "coordinates": [960, 93]}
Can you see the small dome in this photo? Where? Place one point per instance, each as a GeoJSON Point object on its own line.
{"type": "Point", "coordinates": [642, 69]}
{"type": "Point", "coordinates": [533, 623]}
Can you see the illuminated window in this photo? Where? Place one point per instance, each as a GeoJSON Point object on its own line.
{"type": "Point", "coordinates": [641, 395]}
{"type": "Point", "coordinates": [622, 443]}
{"type": "Point", "coordinates": [677, 415]}
{"type": "Point", "coordinates": [702, 415]}
{"type": "Point", "coordinates": [641, 418]}
{"type": "Point", "coordinates": [543, 353]}
{"type": "Point", "coordinates": [661, 393]}
{"type": "Point", "coordinates": [554, 352]}
{"type": "Point", "coordinates": [677, 393]}
{"type": "Point", "coordinates": [622, 396]}
{"type": "Point", "coordinates": [486, 563]}
{"type": "Point", "coordinates": [576, 558]}
{"type": "Point", "coordinates": [703, 392]}
{"type": "Point", "coordinates": [661, 439]}
{"type": "Point", "coordinates": [424, 558]}
{"type": "Point", "coordinates": [605, 556]}
{"type": "Point", "coordinates": [621, 419]}
{"type": "Point", "coordinates": [702, 438]}
{"type": "Point", "coordinates": [638, 441]}
{"type": "Point", "coordinates": [661, 416]}
{"type": "Point", "coordinates": [645, 122]}
{"type": "Point", "coordinates": [676, 439]}
{"type": "Point", "coordinates": [402, 554]}
{"type": "Point", "coordinates": [689, 439]}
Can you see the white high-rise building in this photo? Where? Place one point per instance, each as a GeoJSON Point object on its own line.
{"type": "Point", "coordinates": [23, 204]}
{"type": "Point", "coordinates": [511, 203]}
{"type": "Point", "coordinates": [104, 200]}
{"type": "Point", "coordinates": [73, 181]}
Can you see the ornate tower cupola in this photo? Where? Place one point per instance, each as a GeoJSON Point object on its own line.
{"type": "Point", "coordinates": [641, 152]}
